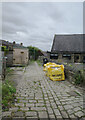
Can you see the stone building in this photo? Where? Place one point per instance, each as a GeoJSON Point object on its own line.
{"type": "Point", "coordinates": [7, 51]}
{"type": "Point", "coordinates": [2, 61]}
{"type": "Point", "coordinates": [15, 54]}
{"type": "Point", "coordinates": [20, 54]}
{"type": "Point", "coordinates": [68, 48]}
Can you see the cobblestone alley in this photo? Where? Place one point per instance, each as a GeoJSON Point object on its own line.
{"type": "Point", "coordinates": [39, 97]}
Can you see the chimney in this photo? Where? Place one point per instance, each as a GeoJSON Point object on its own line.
{"type": "Point", "coordinates": [21, 44]}
{"type": "Point", "coordinates": [14, 42]}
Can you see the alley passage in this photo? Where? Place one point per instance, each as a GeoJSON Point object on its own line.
{"type": "Point", "coordinates": [39, 97]}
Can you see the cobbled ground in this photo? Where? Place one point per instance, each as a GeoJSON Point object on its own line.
{"type": "Point", "coordinates": [38, 97]}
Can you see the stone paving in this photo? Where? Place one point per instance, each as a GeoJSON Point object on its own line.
{"type": "Point", "coordinates": [38, 97]}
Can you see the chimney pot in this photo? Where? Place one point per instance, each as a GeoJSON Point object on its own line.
{"type": "Point", "coordinates": [13, 42]}
{"type": "Point", "coordinates": [21, 44]}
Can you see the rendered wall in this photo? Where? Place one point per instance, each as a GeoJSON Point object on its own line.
{"type": "Point", "coordinates": [20, 56]}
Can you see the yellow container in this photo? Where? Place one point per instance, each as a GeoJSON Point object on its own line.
{"type": "Point", "coordinates": [56, 73]}
{"type": "Point", "coordinates": [47, 65]}
{"type": "Point", "coordinates": [48, 68]}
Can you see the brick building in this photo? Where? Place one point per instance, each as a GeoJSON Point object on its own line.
{"type": "Point", "coordinates": [68, 48]}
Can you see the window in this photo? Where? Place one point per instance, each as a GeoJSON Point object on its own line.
{"type": "Point", "coordinates": [77, 57]}
{"type": "Point", "coordinates": [67, 56]}
{"type": "Point", "coordinates": [53, 56]}
{"type": "Point", "coordinates": [2, 48]}
{"type": "Point", "coordinates": [22, 52]}
{"type": "Point", "coordinates": [83, 57]}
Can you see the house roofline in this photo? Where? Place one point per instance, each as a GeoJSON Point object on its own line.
{"type": "Point", "coordinates": [69, 34]}
{"type": "Point", "coordinates": [71, 52]}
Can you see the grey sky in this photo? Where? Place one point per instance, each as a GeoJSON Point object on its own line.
{"type": "Point", "coordinates": [36, 23]}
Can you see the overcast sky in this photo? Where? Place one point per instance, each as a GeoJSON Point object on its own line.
{"type": "Point", "coordinates": [36, 23]}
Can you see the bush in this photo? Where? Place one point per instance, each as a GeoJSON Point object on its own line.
{"type": "Point", "coordinates": [79, 79]}
{"type": "Point", "coordinates": [8, 70]}
{"type": "Point", "coordinates": [34, 52]}
{"type": "Point", "coordinates": [39, 62]}
{"type": "Point", "coordinates": [8, 91]}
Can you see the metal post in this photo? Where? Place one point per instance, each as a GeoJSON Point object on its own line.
{"type": "Point", "coordinates": [0, 82]}
{"type": "Point", "coordinates": [34, 54]}
{"type": "Point", "coordinates": [0, 61]}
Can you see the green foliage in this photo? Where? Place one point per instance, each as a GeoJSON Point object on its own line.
{"type": "Point", "coordinates": [31, 61]}
{"type": "Point", "coordinates": [79, 79]}
{"type": "Point", "coordinates": [8, 91]}
{"type": "Point", "coordinates": [34, 52]}
{"type": "Point", "coordinates": [8, 70]}
{"type": "Point", "coordinates": [4, 48]}
{"type": "Point", "coordinates": [39, 62]}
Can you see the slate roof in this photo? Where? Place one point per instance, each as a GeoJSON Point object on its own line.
{"type": "Point", "coordinates": [74, 43]}
{"type": "Point", "coordinates": [18, 46]}
{"type": "Point", "coordinates": [4, 42]}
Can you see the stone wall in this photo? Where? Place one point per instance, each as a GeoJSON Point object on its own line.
{"type": "Point", "coordinates": [70, 75]}
{"type": "Point", "coordinates": [72, 60]}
